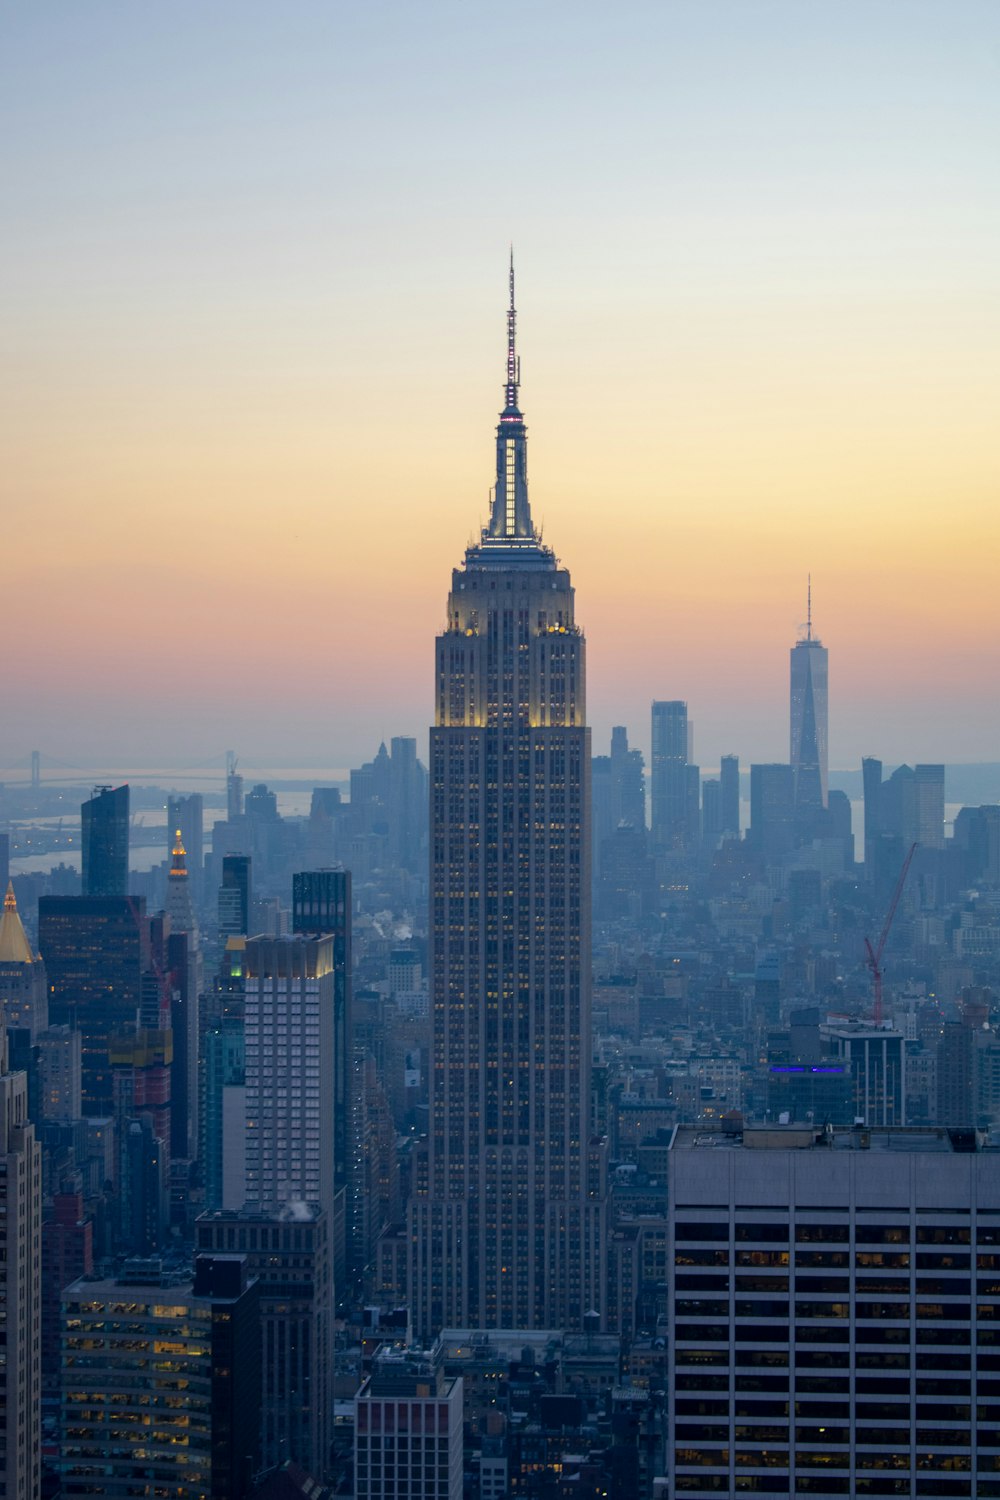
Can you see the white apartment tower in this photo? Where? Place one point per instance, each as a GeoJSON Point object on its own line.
{"type": "Point", "coordinates": [289, 1029]}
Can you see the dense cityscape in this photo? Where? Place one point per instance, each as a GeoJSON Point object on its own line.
{"type": "Point", "coordinates": [534, 1122]}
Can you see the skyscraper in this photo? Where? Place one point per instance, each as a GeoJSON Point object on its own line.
{"type": "Point", "coordinates": [182, 1360]}
{"type": "Point", "coordinates": [809, 755]}
{"type": "Point", "coordinates": [729, 794]}
{"type": "Point", "coordinates": [93, 949]}
{"type": "Point", "coordinates": [506, 1223]}
{"type": "Point", "coordinates": [321, 907]}
{"type": "Point", "coordinates": [235, 894]}
{"type": "Point", "coordinates": [104, 821]}
{"type": "Point", "coordinates": [289, 1254]}
{"type": "Point", "coordinates": [772, 810]}
{"type": "Point", "coordinates": [184, 971]}
{"type": "Point", "coordinates": [290, 1067]}
{"type": "Point", "coordinates": [670, 781]}
{"type": "Point", "coordinates": [20, 1286]}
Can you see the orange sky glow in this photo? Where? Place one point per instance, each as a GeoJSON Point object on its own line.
{"type": "Point", "coordinates": [254, 345]}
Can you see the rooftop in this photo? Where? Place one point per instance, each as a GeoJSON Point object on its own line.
{"type": "Point", "coordinates": [939, 1139]}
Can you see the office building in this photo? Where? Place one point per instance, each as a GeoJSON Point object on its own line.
{"type": "Point", "coordinates": [670, 776]}
{"type": "Point", "coordinates": [289, 1255]}
{"type": "Point", "coordinates": [235, 895]}
{"type": "Point", "coordinates": [832, 1326]}
{"type": "Point", "coordinates": [729, 793]}
{"type": "Point", "coordinates": [908, 806]}
{"type": "Point", "coordinates": [408, 1428]}
{"type": "Point", "coordinates": [809, 715]}
{"type": "Point", "coordinates": [711, 812]}
{"type": "Point", "coordinates": [618, 801]}
{"type": "Point", "coordinates": [223, 1113]}
{"type": "Point", "coordinates": [94, 950]}
{"type": "Point", "coordinates": [290, 1069]}
{"type": "Point", "coordinates": [876, 1058]}
{"type": "Point", "coordinates": [321, 907]}
{"type": "Point", "coordinates": [67, 1254]}
{"type": "Point", "coordinates": [506, 1222]}
{"type": "Point", "coordinates": [772, 811]}
{"type": "Point", "coordinates": [929, 806]}
{"type": "Point", "coordinates": [184, 983]}
{"type": "Point", "coordinates": [20, 1286]}
{"type": "Point", "coordinates": [871, 778]}
{"type": "Point", "coordinates": [628, 782]}
{"type": "Point", "coordinates": [60, 1061]}
{"type": "Point", "coordinates": [24, 995]}
{"type": "Point", "coordinates": [104, 841]}
{"type": "Point", "coordinates": [161, 1383]}
{"type": "Point", "coordinates": [977, 837]}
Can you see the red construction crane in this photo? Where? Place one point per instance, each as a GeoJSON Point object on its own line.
{"type": "Point", "coordinates": [873, 956]}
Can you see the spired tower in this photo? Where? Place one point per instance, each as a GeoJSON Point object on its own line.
{"type": "Point", "coordinates": [809, 754]}
{"type": "Point", "coordinates": [506, 1223]}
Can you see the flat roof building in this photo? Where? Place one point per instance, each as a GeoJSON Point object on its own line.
{"type": "Point", "coordinates": [834, 1322]}
{"type": "Point", "coordinates": [408, 1428]}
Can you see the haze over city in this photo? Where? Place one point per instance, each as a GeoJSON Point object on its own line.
{"type": "Point", "coordinates": [254, 270]}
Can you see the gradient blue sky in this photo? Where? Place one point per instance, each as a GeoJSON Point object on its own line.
{"type": "Point", "coordinates": [253, 278]}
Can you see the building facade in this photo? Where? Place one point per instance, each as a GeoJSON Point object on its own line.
{"type": "Point", "coordinates": [408, 1429]}
{"type": "Point", "coordinates": [506, 1221]}
{"type": "Point", "coordinates": [104, 825]}
{"type": "Point", "coordinates": [290, 1257]}
{"type": "Point", "coordinates": [670, 779]}
{"type": "Point", "coordinates": [833, 1313]}
{"type": "Point", "coordinates": [290, 1067]}
{"type": "Point", "coordinates": [322, 907]}
{"type": "Point", "coordinates": [161, 1383]}
{"type": "Point", "coordinates": [94, 949]}
{"type": "Point", "coordinates": [20, 1287]}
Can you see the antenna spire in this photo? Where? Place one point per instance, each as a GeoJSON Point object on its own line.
{"type": "Point", "coordinates": [513, 372]}
{"type": "Point", "coordinates": [809, 607]}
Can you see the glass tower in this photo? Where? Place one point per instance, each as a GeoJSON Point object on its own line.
{"type": "Point", "coordinates": [104, 821]}
{"type": "Point", "coordinates": [506, 1222]}
{"type": "Point", "coordinates": [809, 714]}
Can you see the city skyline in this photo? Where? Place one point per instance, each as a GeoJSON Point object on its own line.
{"type": "Point", "coordinates": [769, 270]}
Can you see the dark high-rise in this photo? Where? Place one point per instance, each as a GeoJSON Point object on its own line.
{"type": "Point", "coordinates": [506, 1224]}
{"type": "Point", "coordinates": [234, 894]}
{"type": "Point", "coordinates": [104, 822]}
{"type": "Point", "coordinates": [93, 952]}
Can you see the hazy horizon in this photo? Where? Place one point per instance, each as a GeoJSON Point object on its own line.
{"type": "Point", "coordinates": [254, 277]}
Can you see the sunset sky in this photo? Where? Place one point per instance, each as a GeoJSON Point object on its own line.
{"type": "Point", "coordinates": [253, 279]}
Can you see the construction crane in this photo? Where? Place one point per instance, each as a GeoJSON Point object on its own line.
{"type": "Point", "coordinates": [873, 956]}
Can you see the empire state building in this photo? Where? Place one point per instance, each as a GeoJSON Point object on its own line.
{"type": "Point", "coordinates": [506, 1223]}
